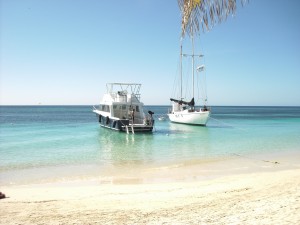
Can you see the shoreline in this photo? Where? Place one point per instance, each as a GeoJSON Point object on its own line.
{"type": "Point", "coordinates": [242, 190]}
{"type": "Point", "coordinates": [161, 172]}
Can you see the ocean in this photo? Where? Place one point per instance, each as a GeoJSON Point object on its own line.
{"type": "Point", "coordinates": [49, 143]}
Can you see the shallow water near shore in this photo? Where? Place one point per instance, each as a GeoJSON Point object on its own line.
{"type": "Point", "coordinates": [45, 143]}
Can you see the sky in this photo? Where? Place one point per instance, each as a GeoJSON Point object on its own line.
{"type": "Point", "coordinates": [63, 52]}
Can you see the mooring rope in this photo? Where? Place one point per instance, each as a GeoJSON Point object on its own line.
{"type": "Point", "coordinates": [227, 124]}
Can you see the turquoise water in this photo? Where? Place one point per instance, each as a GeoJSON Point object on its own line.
{"type": "Point", "coordinates": [47, 137]}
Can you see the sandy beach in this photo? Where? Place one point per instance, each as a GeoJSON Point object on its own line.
{"type": "Point", "coordinates": [269, 196]}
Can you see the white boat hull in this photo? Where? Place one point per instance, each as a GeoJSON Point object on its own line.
{"type": "Point", "coordinates": [124, 125]}
{"type": "Point", "coordinates": [122, 110]}
{"type": "Point", "coordinates": [195, 118]}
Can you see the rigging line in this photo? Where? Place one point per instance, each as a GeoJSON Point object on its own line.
{"type": "Point", "coordinates": [205, 87]}
{"type": "Point", "coordinates": [188, 92]}
{"type": "Point", "coordinates": [202, 83]}
{"type": "Point", "coordinates": [227, 124]}
{"type": "Point", "coordinates": [198, 82]}
{"type": "Point", "coordinates": [176, 81]}
{"type": "Point", "coordinates": [202, 87]}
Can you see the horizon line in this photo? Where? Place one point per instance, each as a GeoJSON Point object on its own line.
{"type": "Point", "coordinates": [150, 105]}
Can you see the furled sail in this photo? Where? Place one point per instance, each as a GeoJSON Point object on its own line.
{"type": "Point", "coordinates": [180, 102]}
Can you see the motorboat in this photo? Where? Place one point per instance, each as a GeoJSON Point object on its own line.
{"type": "Point", "coordinates": [121, 109]}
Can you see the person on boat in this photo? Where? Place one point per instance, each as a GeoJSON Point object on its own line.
{"type": "Point", "coordinates": [132, 115]}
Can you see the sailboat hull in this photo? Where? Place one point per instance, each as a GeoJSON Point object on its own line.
{"type": "Point", "coordinates": [194, 118]}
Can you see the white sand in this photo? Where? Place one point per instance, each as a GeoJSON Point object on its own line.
{"type": "Point", "coordinates": [253, 198]}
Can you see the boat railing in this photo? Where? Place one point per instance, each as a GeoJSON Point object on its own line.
{"type": "Point", "coordinates": [123, 88]}
{"type": "Point", "coordinates": [117, 97]}
{"type": "Point", "coordinates": [95, 108]}
{"type": "Point", "coordinates": [136, 96]}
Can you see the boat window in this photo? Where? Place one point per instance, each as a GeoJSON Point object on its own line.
{"type": "Point", "coordinates": [116, 111]}
{"type": "Point", "coordinates": [137, 108]}
{"type": "Point", "coordinates": [105, 108]}
{"type": "Point", "coordinates": [124, 107]}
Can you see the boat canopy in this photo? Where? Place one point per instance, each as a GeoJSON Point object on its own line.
{"type": "Point", "coordinates": [180, 102]}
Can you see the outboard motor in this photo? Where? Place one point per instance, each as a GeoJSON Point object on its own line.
{"type": "Point", "coordinates": [151, 120]}
{"type": "Point", "coordinates": [150, 113]}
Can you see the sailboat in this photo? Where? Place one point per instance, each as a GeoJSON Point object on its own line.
{"type": "Point", "coordinates": [186, 112]}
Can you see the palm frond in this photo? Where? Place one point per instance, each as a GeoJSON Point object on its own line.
{"type": "Point", "coordinates": [204, 14]}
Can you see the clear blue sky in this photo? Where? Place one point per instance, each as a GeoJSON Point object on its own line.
{"type": "Point", "coordinates": [64, 51]}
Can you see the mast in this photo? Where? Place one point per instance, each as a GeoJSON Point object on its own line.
{"type": "Point", "coordinates": [193, 55]}
{"type": "Point", "coordinates": [180, 70]}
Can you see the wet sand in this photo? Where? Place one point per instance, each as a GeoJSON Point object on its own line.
{"type": "Point", "coordinates": [239, 191]}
